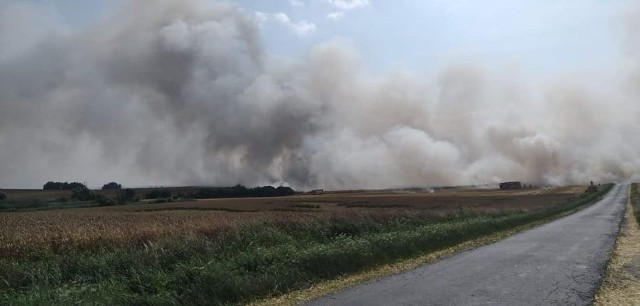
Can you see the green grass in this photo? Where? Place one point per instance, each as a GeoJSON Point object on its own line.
{"type": "Point", "coordinates": [242, 265]}
{"type": "Point", "coordinates": [39, 204]}
{"type": "Point", "coordinates": [635, 201]}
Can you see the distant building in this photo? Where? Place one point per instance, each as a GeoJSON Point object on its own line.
{"type": "Point", "coordinates": [316, 191]}
{"type": "Point", "coordinates": [510, 185]}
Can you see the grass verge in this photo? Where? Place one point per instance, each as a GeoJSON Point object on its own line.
{"type": "Point", "coordinates": [635, 201]}
{"type": "Point", "coordinates": [249, 263]}
{"type": "Point", "coordinates": [621, 283]}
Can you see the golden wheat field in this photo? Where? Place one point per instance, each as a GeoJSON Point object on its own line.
{"type": "Point", "coordinates": [93, 228]}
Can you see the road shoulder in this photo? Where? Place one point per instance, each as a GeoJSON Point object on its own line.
{"type": "Point", "coordinates": [621, 283]}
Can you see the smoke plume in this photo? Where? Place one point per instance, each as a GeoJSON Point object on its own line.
{"type": "Point", "coordinates": [178, 92]}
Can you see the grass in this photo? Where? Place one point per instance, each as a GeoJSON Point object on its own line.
{"type": "Point", "coordinates": [621, 283]}
{"type": "Point", "coordinates": [326, 287]}
{"type": "Point", "coordinates": [39, 204]}
{"type": "Point", "coordinates": [635, 201]}
{"type": "Point", "coordinates": [239, 264]}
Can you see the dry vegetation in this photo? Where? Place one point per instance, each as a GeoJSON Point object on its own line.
{"type": "Point", "coordinates": [621, 284]}
{"type": "Point", "coordinates": [117, 226]}
{"type": "Point", "coordinates": [441, 200]}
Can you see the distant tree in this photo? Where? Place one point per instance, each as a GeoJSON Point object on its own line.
{"type": "Point", "coordinates": [81, 193]}
{"type": "Point", "coordinates": [241, 191]}
{"type": "Point", "coordinates": [52, 186]}
{"type": "Point", "coordinates": [3, 196]}
{"type": "Point", "coordinates": [126, 195]}
{"type": "Point", "coordinates": [285, 191]}
{"type": "Point", "coordinates": [265, 191]}
{"type": "Point", "coordinates": [62, 186]}
{"type": "Point", "coordinates": [74, 185]}
{"type": "Point", "coordinates": [158, 193]}
{"type": "Point", "coordinates": [111, 186]}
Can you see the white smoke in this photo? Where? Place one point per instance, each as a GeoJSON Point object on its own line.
{"type": "Point", "coordinates": [176, 92]}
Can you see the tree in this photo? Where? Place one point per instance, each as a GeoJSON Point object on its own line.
{"type": "Point", "coordinates": [241, 191]}
{"type": "Point", "coordinates": [111, 186]}
{"type": "Point", "coordinates": [3, 196]}
{"type": "Point", "coordinates": [62, 186]}
{"type": "Point", "coordinates": [126, 195]}
{"type": "Point", "coordinates": [285, 191]}
{"type": "Point", "coordinates": [81, 193]}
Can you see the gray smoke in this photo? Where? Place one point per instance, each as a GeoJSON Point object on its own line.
{"type": "Point", "coordinates": [179, 92]}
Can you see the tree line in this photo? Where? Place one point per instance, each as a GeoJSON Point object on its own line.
{"type": "Point", "coordinates": [82, 192]}
{"type": "Point", "coordinates": [63, 186]}
{"type": "Point", "coordinates": [237, 191]}
{"type": "Point", "coordinates": [240, 191]}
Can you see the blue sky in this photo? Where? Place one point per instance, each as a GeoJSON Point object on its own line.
{"type": "Point", "coordinates": [543, 38]}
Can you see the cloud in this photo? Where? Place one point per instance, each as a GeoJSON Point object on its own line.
{"type": "Point", "coordinates": [348, 4]}
{"type": "Point", "coordinates": [296, 3]}
{"type": "Point", "coordinates": [343, 6]}
{"type": "Point", "coordinates": [301, 28]}
{"type": "Point", "coordinates": [335, 16]}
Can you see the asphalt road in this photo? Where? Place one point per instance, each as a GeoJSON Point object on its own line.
{"type": "Point", "coordinates": [559, 263]}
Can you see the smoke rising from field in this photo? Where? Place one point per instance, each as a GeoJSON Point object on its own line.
{"type": "Point", "coordinates": [177, 92]}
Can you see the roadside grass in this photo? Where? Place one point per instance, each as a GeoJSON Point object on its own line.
{"type": "Point", "coordinates": [253, 262]}
{"type": "Point", "coordinates": [621, 283]}
{"type": "Point", "coordinates": [635, 201]}
{"type": "Point", "coordinates": [326, 287]}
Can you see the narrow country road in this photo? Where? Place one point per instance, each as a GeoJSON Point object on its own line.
{"type": "Point", "coordinates": [559, 263]}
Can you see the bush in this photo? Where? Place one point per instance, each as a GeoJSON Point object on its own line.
{"type": "Point", "coordinates": [111, 186]}
{"type": "Point", "coordinates": [591, 189]}
{"type": "Point", "coordinates": [104, 201]}
{"type": "Point", "coordinates": [3, 196]}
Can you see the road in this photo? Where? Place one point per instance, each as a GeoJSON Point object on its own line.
{"type": "Point", "coordinates": [559, 263]}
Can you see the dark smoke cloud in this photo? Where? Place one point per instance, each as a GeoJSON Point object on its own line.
{"type": "Point", "coordinates": [179, 92]}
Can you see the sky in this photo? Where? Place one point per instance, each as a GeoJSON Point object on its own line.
{"type": "Point", "coordinates": [544, 38]}
{"type": "Point", "coordinates": [333, 94]}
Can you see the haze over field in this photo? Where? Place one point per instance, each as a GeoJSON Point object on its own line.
{"type": "Point", "coordinates": [186, 92]}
